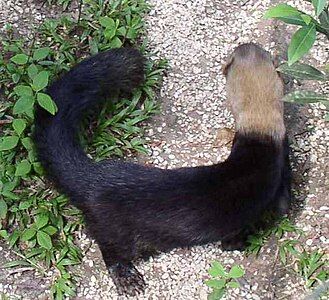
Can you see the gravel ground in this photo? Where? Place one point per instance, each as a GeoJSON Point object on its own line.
{"type": "Point", "coordinates": [196, 37]}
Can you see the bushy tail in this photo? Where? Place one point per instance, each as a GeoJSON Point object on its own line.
{"type": "Point", "coordinates": [78, 90]}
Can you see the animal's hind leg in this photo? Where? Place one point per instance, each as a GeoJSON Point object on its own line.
{"type": "Point", "coordinates": [124, 274]}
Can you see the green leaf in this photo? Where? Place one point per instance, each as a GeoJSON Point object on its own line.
{"type": "Point", "coordinates": [109, 32]}
{"type": "Point", "coordinates": [115, 42]}
{"type": "Point", "coordinates": [319, 5]}
{"type": "Point", "coordinates": [27, 143]}
{"type": "Point", "coordinates": [4, 234]}
{"type": "Point", "coordinates": [51, 230]}
{"type": "Point", "coordinates": [16, 77]}
{"type": "Point", "coordinates": [25, 204]}
{"type": "Point", "coordinates": [233, 284]}
{"type": "Point", "coordinates": [281, 10]}
{"type": "Point", "coordinates": [107, 22]}
{"type": "Point", "coordinates": [68, 262]}
{"type": "Point", "coordinates": [23, 104]}
{"type": "Point", "coordinates": [38, 168]}
{"type": "Point", "coordinates": [41, 53]}
{"type": "Point", "coordinates": [236, 272]}
{"type": "Point", "coordinates": [216, 294]}
{"type": "Point", "coordinates": [23, 168]}
{"type": "Point", "coordinates": [13, 238]}
{"type": "Point", "coordinates": [216, 283]}
{"type": "Point", "coordinates": [10, 195]}
{"type": "Point", "coordinates": [3, 209]}
{"type": "Point", "coordinates": [47, 103]}
{"type": "Point", "coordinates": [15, 263]}
{"type": "Point", "coordinates": [217, 269]}
{"type": "Point", "coordinates": [302, 71]}
{"type": "Point", "coordinates": [20, 59]}
{"type": "Point", "coordinates": [40, 81]}
{"type": "Point", "coordinates": [301, 42]}
{"type": "Point", "coordinates": [303, 97]}
{"type": "Point", "coordinates": [8, 142]}
{"type": "Point", "coordinates": [19, 125]}
{"type": "Point", "coordinates": [294, 20]}
{"type": "Point", "coordinates": [41, 220]}
{"type": "Point", "coordinates": [32, 71]}
{"type": "Point", "coordinates": [28, 234]}
{"type": "Point", "coordinates": [306, 18]}
{"type": "Point", "coordinates": [44, 240]}
{"type": "Point", "coordinates": [132, 33]}
{"type": "Point", "coordinates": [324, 22]}
{"type": "Point", "coordinates": [23, 90]}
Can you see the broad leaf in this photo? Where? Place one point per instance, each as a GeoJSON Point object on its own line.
{"type": "Point", "coordinates": [8, 142]}
{"type": "Point", "coordinates": [23, 168]}
{"type": "Point", "coordinates": [23, 104]}
{"type": "Point", "coordinates": [294, 20]}
{"type": "Point", "coordinates": [216, 294]}
{"type": "Point", "coordinates": [319, 5]}
{"type": "Point", "coordinates": [109, 32]}
{"type": "Point", "coordinates": [44, 240]}
{"type": "Point", "coordinates": [302, 71]}
{"type": "Point", "coordinates": [115, 43]}
{"type": "Point", "coordinates": [107, 22]}
{"type": "Point", "coordinates": [233, 284]}
{"type": "Point", "coordinates": [306, 18]}
{"type": "Point", "coordinates": [303, 97]}
{"type": "Point", "coordinates": [324, 21]}
{"type": "Point", "coordinates": [40, 81]}
{"type": "Point", "coordinates": [28, 234]}
{"type": "Point", "coordinates": [27, 143]}
{"type": "Point", "coordinates": [41, 53]}
{"type": "Point", "coordinates": [217, 270]}
{"type": "Point", "coordinates": [20, 59]}
{"type": "Point", "coordinates": [32, 71]}
{"type": "Point", "coordinates": [19, 125]}
{"type": "Point", "coordinates": [47, 103]}
{"type": "Point", "coordinates": [281, 10]}
{"type": "Point", "coordinates": [41, 220]}
{"type": "Point", "coordinates": [215, 283]}
{"type": "Point", "coordinates": [23, 90]}
{"type": "Point", "coordinates": [236, 272]}
{"type": "Point", "coordinates": [301, 42]}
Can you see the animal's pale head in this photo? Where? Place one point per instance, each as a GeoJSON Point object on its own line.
{"type": "Point", "coordinates": [255, 91]}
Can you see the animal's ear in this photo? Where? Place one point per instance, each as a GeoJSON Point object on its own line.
{"type": "Point", "coordinates": [228, 64]}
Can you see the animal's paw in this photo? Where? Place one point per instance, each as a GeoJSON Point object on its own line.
{"type": "Point", "coordinates": [127, 279]}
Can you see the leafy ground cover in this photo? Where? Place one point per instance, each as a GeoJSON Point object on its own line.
{"type": "Point", "coordinates": [35, 220]}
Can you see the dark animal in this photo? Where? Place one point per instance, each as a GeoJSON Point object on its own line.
{"type": "Point", "coordinates": [131, 209]}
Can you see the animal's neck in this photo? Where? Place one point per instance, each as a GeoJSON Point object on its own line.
{"type": "Point", "coordinates": [262, 121]}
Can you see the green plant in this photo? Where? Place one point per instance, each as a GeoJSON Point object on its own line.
{"type": "Point", "coordinates": [301, 43]}
{"type": "Point", "coordinates": [311, 265]}
{"type": "Point", "coordinates": [222, 280]}
{"type": "Point", "coordinates": [304, 38]}
{"type": "Point", "coordinates": [37, 223]}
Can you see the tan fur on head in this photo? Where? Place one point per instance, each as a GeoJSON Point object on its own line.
{"type": "Point", "coordinates": [255, 91]}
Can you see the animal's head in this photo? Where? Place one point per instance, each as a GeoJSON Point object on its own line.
{"type": "Point", "coordinates": [254, 91]}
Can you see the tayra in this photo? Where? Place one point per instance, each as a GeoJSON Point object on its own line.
{"type": "Point", "coordinates": [132, 210]}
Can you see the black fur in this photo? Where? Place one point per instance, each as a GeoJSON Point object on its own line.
{"type": "Point", "coordinates": [132, 210]}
